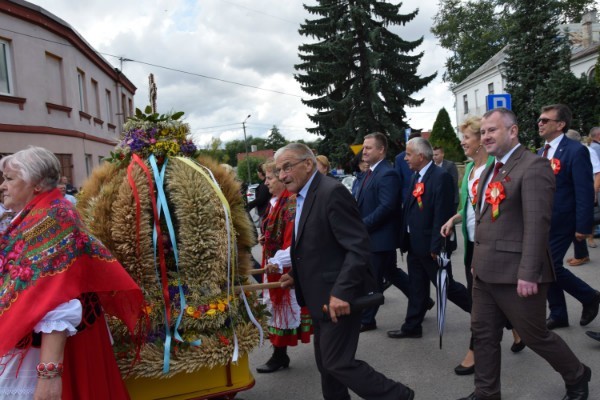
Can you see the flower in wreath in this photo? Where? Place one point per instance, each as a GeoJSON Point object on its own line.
{"type": "Point", "coordinates": [555, 165]}
{"type": "Point", "coordinates": [494, 194]}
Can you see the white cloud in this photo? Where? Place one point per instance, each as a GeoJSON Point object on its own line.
{"type": "Point", "coordinates": [250, 42]}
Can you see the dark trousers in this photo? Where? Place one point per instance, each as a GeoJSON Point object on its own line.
{"type": "Point", "coordinates": [384, 266]}
{"type": "Point", "coordinates": [580, 249]}
{"type": "Point", "coordinates": [335, 351]}
{"type": "Point", "coordinates": [566, 281]}
{"type": "Point", "coordinates": [492, 305]}
{"type": "Point", "coordinates": [421, 271]}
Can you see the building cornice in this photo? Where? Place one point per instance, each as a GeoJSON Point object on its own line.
{"type": "Point", "coordinates": [46, 130]}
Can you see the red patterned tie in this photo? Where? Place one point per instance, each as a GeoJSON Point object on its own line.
{"type": "Point", "coordinates": [546, 148]}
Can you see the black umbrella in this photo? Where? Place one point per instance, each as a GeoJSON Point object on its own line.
{"type": "Point", "coordinates": [442, 290]}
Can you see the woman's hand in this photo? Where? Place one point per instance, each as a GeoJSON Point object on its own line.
{"type": "Point", "coordinates": [261, 239]}
{"type": "Point", "coordinates": [447, 228]}
{"type": "Point", "coordinates": [48, 389]}
{"type": "Point", "coordinates": [272, 269]}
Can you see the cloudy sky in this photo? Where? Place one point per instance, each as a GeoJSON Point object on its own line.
{"type": "Point", "coordinates": [193, 46]}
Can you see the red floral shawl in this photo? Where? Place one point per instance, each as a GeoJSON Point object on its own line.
{"type": "Point", "coordinates": [279, 225]}
{"type": "Point", "coordinates": [47, 257]}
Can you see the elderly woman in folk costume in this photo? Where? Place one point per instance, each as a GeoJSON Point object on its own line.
{"type": "Point", "coordinates": [56, 281]}
{"type": "Point", "coordinates": [289, 322]}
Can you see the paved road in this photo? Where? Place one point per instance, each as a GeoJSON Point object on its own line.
{"type": "Point", "coordinates": [423, 366]}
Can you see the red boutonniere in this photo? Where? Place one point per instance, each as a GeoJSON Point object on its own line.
{"type": "Point", "coordinates": [474, 191]}
{"type": "Point", "coordinates": [494, 194]}
{"type": "Point", "coordinates": [418, 192]}
{"type": "Point", "coordinates": [555, 164]}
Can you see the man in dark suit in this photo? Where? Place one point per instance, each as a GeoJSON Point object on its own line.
{"type": "Point", "coordinates": [449, 167]}
{"type": "Point", "coordinates": [512, 268]}
{"type": "Point", "coordinates": [403, 170]}
{"type": "Point", "coordinates": [427, 207]}
{"type": "Point", "coordinates": [379, 204]}
{"type": "Point", "coordinates": [572, 214]}
{"type": "Point", "coordinates": [330, 266]}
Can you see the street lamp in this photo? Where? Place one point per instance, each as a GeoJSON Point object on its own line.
{"type": "Point", "coordinates": [246, 145]}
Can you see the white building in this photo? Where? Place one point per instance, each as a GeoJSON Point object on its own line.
{"type": "Point", "coordinates": [470, 94]}
{"type": "Point", "coordinates": [56, 91]}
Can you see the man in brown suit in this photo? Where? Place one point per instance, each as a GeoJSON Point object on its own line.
{"type": "Point", "coordinates": [512, 266]}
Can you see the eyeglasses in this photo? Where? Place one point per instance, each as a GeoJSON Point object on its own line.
{"type": "Point", "coordinates": [544, 121]}
{"type": "Point", "coordinates": [288, 167]}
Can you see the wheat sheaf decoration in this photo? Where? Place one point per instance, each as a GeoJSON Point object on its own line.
{"type": "Point", "coordinates": [176, 222]}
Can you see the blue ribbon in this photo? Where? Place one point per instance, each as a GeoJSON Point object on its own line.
{"type": "Point", "coordinates": [163, 205]}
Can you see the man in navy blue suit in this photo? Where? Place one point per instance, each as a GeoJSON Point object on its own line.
{"type": "Point", "coordinates": [379, 203]}
{"type": "Point", "coordinates": [572, 213]}
{"type": "Point", "coordinates": [428, 205]}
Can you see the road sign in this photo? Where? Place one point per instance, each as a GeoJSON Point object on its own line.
{"type": "Point", "coordinates": [498, 100]}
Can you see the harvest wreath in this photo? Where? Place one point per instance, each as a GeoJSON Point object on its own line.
{"type": "Point", "coordinates": [177, 223]}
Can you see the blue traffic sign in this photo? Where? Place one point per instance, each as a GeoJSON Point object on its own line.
{"type": "Point", "coordinates": [498, 100]}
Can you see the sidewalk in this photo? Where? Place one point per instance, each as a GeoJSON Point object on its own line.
{"type": "Point", "coordinates": [420, 364]}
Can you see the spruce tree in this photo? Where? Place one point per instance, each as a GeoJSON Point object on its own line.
{"type": "Point", "coordinates": [443, 135]}
{"type": "Point", "coordinates": [359, 75]}
{"type": "Point", "coordinates": [275, 140]}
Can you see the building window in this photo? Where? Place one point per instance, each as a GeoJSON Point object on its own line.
{"type": "Point", "coordinates": [88, 164]}
{"type": "Point", "coordinates": [130, 103]}
{"type": "Point", "coordinates": [491, 88]}
{"type": "Point", "coordinates": [124, 107]}
{"type": "Point", "coordinates": [465, 104]}
{"type": "Point", "coordinates": [54, 79]}
{"type": "Point", "coordinates": [82, 90]}
{"type": "Point", "coordinates": [66, 166]}
{"type": "Point", "coordinates": [476, 101]}
{"type": "Point", "coordinates": [100, 160]}
{"type": "Point", "coordinates": [5, 77]}
{"type": "Point", "coordinates": [96, 94]}
{"type": "Point", "coordinates": [109, 107]}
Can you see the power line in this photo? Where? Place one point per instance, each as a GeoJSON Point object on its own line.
{"type": "Point", "coordinates": [160, 66]}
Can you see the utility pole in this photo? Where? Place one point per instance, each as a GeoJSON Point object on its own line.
{"type": "Point", "coordinates": [246, 145]}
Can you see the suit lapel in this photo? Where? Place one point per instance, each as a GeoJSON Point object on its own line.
{"type": "Point", "coordinates": [308, 203]}
{"type": "Point", "coordinates": [370, 181]}
{"type": "Point", "coordinates": [502, 174]}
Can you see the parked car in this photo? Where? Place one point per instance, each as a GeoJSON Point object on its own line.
{"type": "Point", "coordinates": [251, 192]}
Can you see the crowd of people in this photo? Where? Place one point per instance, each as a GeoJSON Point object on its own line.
{"type": "Point", "coordinates": [520, 212]}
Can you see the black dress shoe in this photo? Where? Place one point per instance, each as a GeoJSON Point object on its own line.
{"type": "Point", "coordinates": [553, 324]}
{"type": "Point", "coordinates": [593, 335]}
{"type": "Point", "coordinates": [368, 327]}
{"type": "Point", "coordinates": [517, 347]}
{"type": "Point", "coordinates": [470, 397]}
{"type": "Point", "coordinates": [462, 370]}
{"type": "Point", "coordinates": [580, 390]}
{"type": "Point", "coordinates": [274, 364]}
{"type": "Point", "coordinates": [590, 310]}
{"type": "Point", "coordinates": [400, 334]}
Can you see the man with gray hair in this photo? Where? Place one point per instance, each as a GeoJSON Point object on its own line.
{"type": "Point", "coordinates": [428, 205]}
{"type": "Point", "coordinates": [330, 270]}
